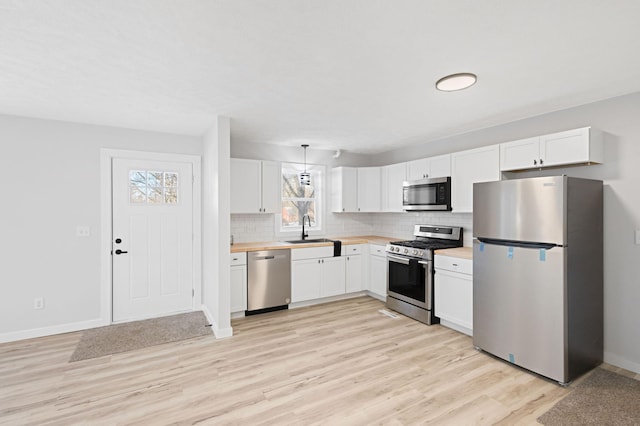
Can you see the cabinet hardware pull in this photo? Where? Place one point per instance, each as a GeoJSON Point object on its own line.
{"type": "Point", "coordinates": [541, 161]}
{"type": "Point", "coordinates": [535, 162]}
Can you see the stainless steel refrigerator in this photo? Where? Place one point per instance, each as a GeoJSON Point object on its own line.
{"type": "Point", "coordinates": [538, 273]}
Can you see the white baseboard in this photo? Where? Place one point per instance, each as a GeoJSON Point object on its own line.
{"type": "Point", "coordinates": [621, 362]}
{"type": "Point", "coordinates": [326, 300]}
{"type": "Point", "coordinates": [456, 327]}
{"type": "Point", "coordinates": [220, 333]}
{"type": "Point", "coordinates": [49, 331]}
{"type": "Point", "coordinates": [377, 296]}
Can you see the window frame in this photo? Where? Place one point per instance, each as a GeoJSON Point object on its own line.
{"type": "Point", "coordinates": [318, 178]}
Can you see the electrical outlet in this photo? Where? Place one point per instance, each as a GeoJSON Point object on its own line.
{"type": "Point", "coordinates": [83, 231]}
{"type": "Point", "coordinates": [38, 303]}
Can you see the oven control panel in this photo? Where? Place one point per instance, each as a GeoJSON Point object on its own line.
{"type": "Point", "coordinates": [406, 251]}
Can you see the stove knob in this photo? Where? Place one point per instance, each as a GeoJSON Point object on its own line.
{"type": "Point", "coordinates": [397, 249]}
{"type": "Point", "coordinates": [415, 252]}
{"type": "Point", "coordinates": [421, 253]}
{"type": "Point", "coordinates": [406, 251]}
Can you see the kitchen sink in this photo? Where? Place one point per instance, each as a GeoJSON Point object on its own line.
{"type": "Point", "coordinates": [310, 240]}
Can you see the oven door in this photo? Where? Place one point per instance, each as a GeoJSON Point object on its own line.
{"type": "Point", "coordinates": [408, 280]}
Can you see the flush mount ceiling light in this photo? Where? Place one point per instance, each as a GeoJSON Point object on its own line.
{"type": "Point", "coordinates": [305, 177]}
{"type": "Point", "coordinates": [454, 82]}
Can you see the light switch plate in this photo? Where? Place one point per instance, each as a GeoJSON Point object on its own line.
{"type": "Point", "coordinates": [83, 231]}
{"type": "Point", "coordinates": [637, 236]}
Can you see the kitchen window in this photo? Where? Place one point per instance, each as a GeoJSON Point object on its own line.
{"type": "Point", "coordinates": [298, 200]}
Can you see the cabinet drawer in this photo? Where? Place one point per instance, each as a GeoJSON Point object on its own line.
{"type": "Point", "coordinates": [238, 259]}
{"type": "Point", "coordinates": [454, 264]}
{"type": "Point", "coordinates": [351, 249]}
{"type": "Point", "coordinates": [376, 250]}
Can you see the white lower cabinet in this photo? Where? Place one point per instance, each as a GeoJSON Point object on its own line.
{"type": "Point", "coordinates": [378, 269]}
{"type": "Point", "coordinates": [238, 282]}
{"type": "Point", "coordinates": [305, 279]}
{"type": "Point", "coordinates": [354, 268]}
{"type": "Point", "coordinates": [316, 277]}
{"type": "Point", "coordinates": [454, 292]}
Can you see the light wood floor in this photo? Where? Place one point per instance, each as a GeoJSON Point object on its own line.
{"type": "Point", "coordinates": [338, 363]}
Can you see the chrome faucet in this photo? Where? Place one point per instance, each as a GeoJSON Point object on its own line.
{"type": "Point", "coordinates": [304, 234]}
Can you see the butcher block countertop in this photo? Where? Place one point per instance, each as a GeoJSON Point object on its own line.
{"type": "Point", "coordinates": [273, 245]}
{"type": "Point", "coordinates": [460, 252]}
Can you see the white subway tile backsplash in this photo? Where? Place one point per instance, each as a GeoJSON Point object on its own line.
{"type": "Point", "coordinates": [262, 227]}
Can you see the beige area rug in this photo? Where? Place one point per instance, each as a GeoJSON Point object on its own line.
{"type": "Point", "coordinates": [117, 338]}
{"type": "Point", "coordinates": [603, 398]}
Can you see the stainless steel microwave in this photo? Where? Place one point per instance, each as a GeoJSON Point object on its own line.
{"type": "Point", "coordinates": [427, 194]}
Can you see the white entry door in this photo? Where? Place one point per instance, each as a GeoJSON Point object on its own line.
{"type": "Point", "coordinates": [152, 244]}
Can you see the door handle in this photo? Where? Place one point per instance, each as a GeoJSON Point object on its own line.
{"type": "Point", "coordinates": [396, 259]}
{"type": "Point", "coordinates": [121, 251]}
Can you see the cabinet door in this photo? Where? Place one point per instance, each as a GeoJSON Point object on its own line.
{"type": "Point", "coordinates": [454, 297]}
{"type": "Point", "coordinates": [392, 178]}
{"type": "Point", "coordinates": [333, 276]}
{"type": "Point", "coordinates": [418, 169]}
{"type": "Point", "coordinates": [518, 155]}
{"type": "Point", "coordinates": [354, 274]}
{"type": "Point", "coordinates": [305, 279]}
{"type": "Point", "coordinates": [238, 288]}
{"type": "Point", "coordinates": [271, 197]}
{"type": "Point", "coordinates": [469, 167]}
{"type": "Point", "coordinates": [246, 186]}
{"type": "Point", "coordinates": [440, 166]}
{"type": "Point", "coordinates": [344, 189]}
{"type": "Point", "coordinates": [567, 147]}
{"type": "Point", "coordinates": [368, 189]}
{"type": "Point", "coordinates": [379, 275]}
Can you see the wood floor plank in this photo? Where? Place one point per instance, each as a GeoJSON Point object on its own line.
{"type": "Point", "coordinates": [338, 363]}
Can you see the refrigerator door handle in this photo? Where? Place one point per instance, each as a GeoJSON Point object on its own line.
{"type": "Point", "coordinates": [521, 244]}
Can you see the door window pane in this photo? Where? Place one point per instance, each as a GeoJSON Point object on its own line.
{"type": "Point", "coordinates": [153, 187]}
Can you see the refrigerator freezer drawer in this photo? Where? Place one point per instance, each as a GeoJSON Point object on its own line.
{"type": "Point", "coordinates": [518, 306]}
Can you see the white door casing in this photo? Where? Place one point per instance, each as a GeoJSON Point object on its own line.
{"type": "Point", "coordinates": [155, 272]}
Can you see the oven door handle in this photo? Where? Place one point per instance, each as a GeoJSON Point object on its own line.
{"type": "Point", "coordinates": [398, 259]}
{"type": "Point", "coordinates": [423, 262]}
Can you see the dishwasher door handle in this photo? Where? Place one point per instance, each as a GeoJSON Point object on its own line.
{"type": "Point", "coordinates": [268, 257]}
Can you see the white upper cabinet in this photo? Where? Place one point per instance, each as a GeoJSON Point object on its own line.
{"type": "Point", "coordinates": [271, 195]}
{"type": "Point", "coordinates": [368, 189]}
{"type": "Point", "coordinates": [418, 169]}
{"type": "Point", "coordinates": [255, 186]}
{"type": "Point", "coordinates": [344, 189]}
{"type": "Point", "coordinates": [577, 146]}
{"type": "Point", "coordinates": [440, 166]}
{"type": "Point", "coordinates": [520, 154]}
{"type": "Point", "coordinates": [469, 167]}
{"type": "Point", "coordinates": [431, 167]}
{"type": "Point", "coordinates": [391, 186]}
{"type": "Point", "coordinates": [355, 189]}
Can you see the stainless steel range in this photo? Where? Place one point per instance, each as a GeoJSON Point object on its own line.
{"type": "Point", "coordinates": [410, 271]}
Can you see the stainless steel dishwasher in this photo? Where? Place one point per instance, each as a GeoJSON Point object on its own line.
{"type": "Point", "coordinates": [268, 280]}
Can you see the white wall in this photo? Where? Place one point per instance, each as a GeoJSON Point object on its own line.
{"type": "Point", "coordinates": [50, 184]}
{"type": "Point", "coordinates": [620, 119]}
{"type": "Point", "coordinates": [216, 227]}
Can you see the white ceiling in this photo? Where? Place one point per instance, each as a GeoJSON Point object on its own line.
{"type": "Point", "coordinates": [352, 74]}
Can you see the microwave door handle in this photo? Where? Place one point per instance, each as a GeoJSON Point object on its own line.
{"type": "Point", "coordinates": [398, 259]}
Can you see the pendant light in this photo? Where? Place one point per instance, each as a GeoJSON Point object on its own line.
{"type": "Point", "coordinates": [305, 177]}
